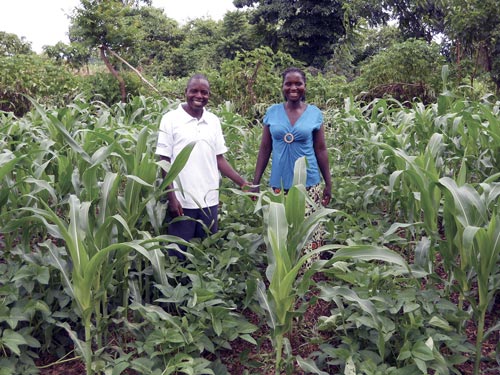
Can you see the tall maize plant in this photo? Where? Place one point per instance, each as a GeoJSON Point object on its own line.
{"type": "Point", "coordinates": [90, 189]}
{"type": "Point", "coordinates": [416, 179]}
{"type": "Point", "coordinates": [472, 250]}
{"type": "Point", "coordinates": [286, 231]}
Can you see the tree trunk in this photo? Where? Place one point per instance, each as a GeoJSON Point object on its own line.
{"type": "Point", "coordinates": [113, 71]}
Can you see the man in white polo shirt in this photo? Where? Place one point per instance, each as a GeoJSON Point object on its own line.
{"type": "Point", "coordinates": [195, 193]}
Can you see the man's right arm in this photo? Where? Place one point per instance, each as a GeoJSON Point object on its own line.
{"type": "Point", "coordinates": [173, 205]}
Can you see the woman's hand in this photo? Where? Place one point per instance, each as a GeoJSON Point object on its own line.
{"type": "Point", "coordinates": [327, 196]}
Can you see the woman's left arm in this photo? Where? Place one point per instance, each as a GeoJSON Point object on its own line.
{"type": "Point", "coordinates": [323, 163]}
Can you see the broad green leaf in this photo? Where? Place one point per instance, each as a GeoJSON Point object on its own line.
{"type": "Point", "coordinates": [330, 293]}
{"type": "Point", "coordinates": [54, 122]}
{"type": "Point", "coordinates": [310, 366]}
{"type": "Point", "coordinates": [101, 154]}
{"type": "Point", "coordinates": [42, 185]}
{"type": "Point", "coordinates": [295, 208]}
{"type": "Point", "coordinates": [277, 232]}
{"type": "Point", "coordinates": [470, 209]}
{"type": "Point", "coordinates": [439, 322]}
{"type": "Point", "coordinates": [8, 161]}
{"type": "Point", "coordinates": [178, 164]}
{"type": "Point", "coordinates": [422, 351]}
{"type": "Point", "coordinates": [367, 252]}
{"type": "Point", "coordinates": [265, 304]}
{"type": "Point", "coordinates": [79, 344]}
{"type": "Point", "coordinates": [12, 340]}
{"type": "Point", "coordinates": [300, 171]}
{"type": "Point", "coordinates": [119, 368]}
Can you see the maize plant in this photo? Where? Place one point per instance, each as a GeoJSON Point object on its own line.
{"type": "Point", "coordinates": [473, 238]}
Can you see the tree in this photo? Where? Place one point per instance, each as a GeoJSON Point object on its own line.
{"type": "Point", "coordinates": [11, 44]}
{"type": "Point", "coordinates": [419, 19]}
{"type": "Point", "coordinates": [359, 45]}
{"type": "Point", "coordinates": [161, 35]}
{"type": "Point", "coordinates": [307, 29]}
{"type": "Point", "coordinates": [74, 54]}
{"type": "Point", "coordinates": [198, 51]}
{"type": "Point", "coordinates": [107, 25]}
{"type": "Point", "coordinates": [476, 36]}
{"type": "Point", "coordinates": [237, 35]}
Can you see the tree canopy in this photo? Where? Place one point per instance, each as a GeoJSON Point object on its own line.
{"type": "Point", "coordinates": [11, 44]}
{"type": "Point", "coordinates": [307, 29]}
{"type": "Point", "coordinates": [338, 38]}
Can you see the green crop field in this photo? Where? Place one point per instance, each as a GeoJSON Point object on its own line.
{"type": "Point", "coordinates": [410, 264]}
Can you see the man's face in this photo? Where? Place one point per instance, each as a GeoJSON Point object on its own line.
{"type": "Point", "coordinates": [197, 94]}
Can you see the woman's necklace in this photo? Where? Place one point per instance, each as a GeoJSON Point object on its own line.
{"type": "Point", "coordinates": [293, 115]}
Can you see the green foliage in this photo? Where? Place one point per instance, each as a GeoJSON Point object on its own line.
{"type": "Point", "coordinates": [103, 87]}
{"type": "Point", "coordinates": [237, 35]}
{"type": "Point", "coordinates": [475, 37]}
{"type": "Point", "coordinates": [378, 41]}
{"type": "Point", "coordinates": [382, 322]}
{"type": "Point", "coordinates": [404, 71]}
{"type": "Point", "coordinates": [257, 74]}
{"type": "Point", "coordinates": [34, 76]}
{"type": "Point", "coordinates": [94, 253]}
{"type": "Point", "coordinates": [21, 293]}
{"type": "Point", "coordinates": [108, 23]}
{"type": "Point", "coordinates": [80, 186]}
{"type": "Point", "coordinates": [110, 27]}
{"type": "Point", "coordinates": [93, 199]}
{"type": "Point", "coordinates": [286, 231]}
{"type": "Point", "coordinates": [307, 30]}
{"type": "Point", "coordinates": [473, 224]}
{"type": "Point", "coordinates": [11, 44]}
{"type": "Point", "coordinates": [415, 19]}
{"type": "Point", "coordinates": [75, 55]}
{"type": "Point", "coordinates": [162, 36]}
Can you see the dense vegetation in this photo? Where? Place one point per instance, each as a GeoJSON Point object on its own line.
{"type": "Point", "coordinates": [408, 280]}
{"type": "Point", "coordinates": [379, 48]}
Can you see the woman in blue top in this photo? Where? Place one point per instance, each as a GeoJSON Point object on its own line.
{"type": "Point", "coordinates": [291, 130]}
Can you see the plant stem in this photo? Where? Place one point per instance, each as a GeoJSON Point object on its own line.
{"type": "Point", "coordinates": [279, 348]}
{"type": "Point", "coordinates": [59, 361]}
{"type": "Point", "coordinates": [479, 341]}
{"type": "Point", "coordinates": [88, 346]}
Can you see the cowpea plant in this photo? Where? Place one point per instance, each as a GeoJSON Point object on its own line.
{"type": "Point", "coordinates": [381, 309]}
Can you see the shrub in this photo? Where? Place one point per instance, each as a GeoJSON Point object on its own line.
{"type": "Point", "coordinates": [404, 71]}
{"type": "Point", "coordinates": [102, 86]}
{"type": "Point", "coordinates": [34, 76]}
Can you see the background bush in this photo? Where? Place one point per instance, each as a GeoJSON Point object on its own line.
{"type": "Point", "coordinates": [35, 76]}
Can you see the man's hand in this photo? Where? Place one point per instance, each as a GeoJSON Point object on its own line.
{"type": "Point", "coordinates": [174, 207]}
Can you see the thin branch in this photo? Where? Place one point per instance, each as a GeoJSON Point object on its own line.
{"type": "Point", "coordinates": [134, 69]}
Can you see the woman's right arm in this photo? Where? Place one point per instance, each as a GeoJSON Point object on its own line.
{"type": "Point", "coordinates": [266, 146]}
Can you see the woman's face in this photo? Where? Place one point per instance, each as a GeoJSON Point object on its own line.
{"type": "Point", "coordinates": [294, 87]}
